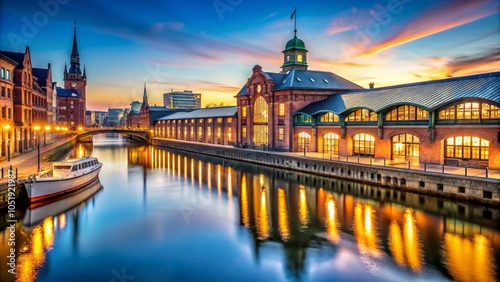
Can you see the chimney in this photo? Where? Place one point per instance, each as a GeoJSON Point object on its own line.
{"type": "Point", "coordinates": [372, 85]}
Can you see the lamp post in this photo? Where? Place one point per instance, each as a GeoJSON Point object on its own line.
{"type": "Point", "coordinates": [7, 127]}
{"type": "Point", "coordinates": [37, 129]}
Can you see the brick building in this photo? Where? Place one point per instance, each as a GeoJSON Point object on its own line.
{"type": "Point", "coordinates": [72, 102]}
{"type": "Point", "coordinates": [455, 121]}
{"type": "Point", "coordinates": [7, 67]}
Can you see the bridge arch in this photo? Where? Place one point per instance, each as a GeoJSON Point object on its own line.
{"type": "Point", "coordinates": [142, 135]}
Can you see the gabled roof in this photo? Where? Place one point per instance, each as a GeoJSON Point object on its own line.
{"type": "Point", "coordinates": [229, 111]}
{"type": "Point", "coordinates": [8, 59]}
{"type": "Point", "coordinates": [42, 75]}
{"type": "Point", "coordinates": [71, 93]}
{"type": "Point", "coordinates": [429, 95]}
{"type": "Point", "coordinates": [307, 79]}
{"type": "Point", "coordinates": [15, 56]}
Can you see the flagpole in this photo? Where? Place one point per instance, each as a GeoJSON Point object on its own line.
{"type": "Point", "coordinates": [295, 30]}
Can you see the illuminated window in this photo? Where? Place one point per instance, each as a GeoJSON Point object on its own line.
{"type": "Point", "coordinates": [260, 110]}
{"type": "Point", "coordinates": [362, 115]}
{"type": "Point", "coordinates": [467, 147]}
{"type": "Point", "coordinates": [490, 111]}
{"type": "Point", "coordinates": [209, 132]}
{"type": "Point", "coordinates": [209, 120]}
{"type": "Point", "coordinates": [200, 120]}
{"type": "Point", "coordinates": [229, 134]}
{"type": "Point", "coordinates": [260, 134]}
{"type": "Point", "coordinates": [244, 111]}
{"type": "Point", "coordinates": [331, 143]}
{"type": "Point", "coordinates": [229, 120]}
{"type": "Point", "coordinates": [281, 133]}
{"type": "Point", "coordinates": [304, 141]}
{"type": "Point", "coordinates": [406, 112]}
{"type": "Point", "coordinates": [200, 133]}
{"type": "Point", "coordinates": [329, 117]}
{"type": "Point", "coordinates": [405, 145]}
{"type": "Point", "coordinates": [302, 119]}
{"type": "Point", "coordinates": [281, 109]}
{"type": "Point", "coordinates": [219, 120]}
{"type": "Point", "coordinates": [299, 58]}
{"type": "Point", "coordinates": [364, 144]}
{"type": "Point", "coordinates": [185, 133]}
{"type": "Point", "coordinates": [244, 132]}
{"type": "Point", "coordinates": [470, 111]}
{"type": "Point", "coordinates": [219, 132]}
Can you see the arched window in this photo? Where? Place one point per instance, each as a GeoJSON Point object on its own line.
{"type": "Point", "coordinates": [331, 143]}
{"type": "Point", "coordinates": [299, 58]}
{"type": "Point", "coordinates": [329, 117]}
{"type": "Point", "coordinates": [407, 112]}
{"type": "Point", "coordinates": [364, 144]}
{"type": "Point", "coordinates": [304, 141]}
{"type": "Point", "coordinates": [467, 147]}
{"type": "Point", "coordinates": [362, 115]}
{"type": "Point", "coordinates": [470, 111]}
{"type": "Point", "coordinates": [302, 119]}
{"type": "Point", "coordinates": [260, 110]}
{"type": "Point", "coordinates": [405, 145]}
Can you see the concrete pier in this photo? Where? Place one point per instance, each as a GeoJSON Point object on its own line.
{"type": "Point", "coordinates": [470, 188]}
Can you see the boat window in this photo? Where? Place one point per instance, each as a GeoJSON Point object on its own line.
{"type": "Point", "coordinates": [80, 166]}
{"type": "Point", "coordinates": [73, 168]}
{"type": "Point", "coordinates": [62, 167]}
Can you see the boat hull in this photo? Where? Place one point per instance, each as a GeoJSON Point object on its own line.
{"type": "Point", "coordinates": [37, 212]}
{"type": "Point", "coordinates": [44, 189]}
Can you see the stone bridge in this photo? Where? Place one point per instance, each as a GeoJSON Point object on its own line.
{"type": "Point", "coordinates": [142, 135]}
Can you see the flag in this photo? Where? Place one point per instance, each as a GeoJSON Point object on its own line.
{"type": "Point", "coordinates": [293, 14]}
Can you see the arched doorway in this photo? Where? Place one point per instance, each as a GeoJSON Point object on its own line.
{"type": "Point", "coordinates": [331, 143]}
{"type": "Point", "coordinates": [405, 146]}
{"type": "Point", "coordinates": [364, 144]}
{"type": "Point", "coordinates": [304, 142]}
{"type": "Point", "coordinates": [260, 118]}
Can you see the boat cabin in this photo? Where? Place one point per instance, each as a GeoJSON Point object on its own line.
{"type": "Point", "coordinates": [82, 165]}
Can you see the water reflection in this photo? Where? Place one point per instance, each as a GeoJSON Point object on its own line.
{"type": "Point", "coordinates": [37, 234]}
{"type": "Point", "coordinates": [298, 221]}
{"type": "Point", "coordinates": [379, 229]}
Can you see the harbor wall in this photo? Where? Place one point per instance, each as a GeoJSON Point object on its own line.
{"type": "Point", "coordinates": [467, 188]}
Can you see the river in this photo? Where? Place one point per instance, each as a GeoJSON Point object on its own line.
{"type": "Point", "coordinates": [162, 215]}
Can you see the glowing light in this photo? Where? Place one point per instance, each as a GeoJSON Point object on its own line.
{"type": "Point", "coordinates": [413, 250]}
{"type": "Point", "coordinates": [219, 182]}
{"type": "Point", "coordinates": [209, 176]}
{"type": "Point", "coordinates": [396, 243]}
{"type": "Point", "coordinates": [262, 218]}
{"type": "Point", "coordinates": [364, 230]}
{"type": "Point", "coordinates": [48, 233]}
{"type": "Point", "coordinates": [283, 215]}
{"type": "Point", "coordinates": [62, 221]}
{"type": "Point", "coordinates": [303, 210]}
{"type": "Point", "coordinates": [332, 226]}
{"type": "Point", "coordinates": [36, 127]}
{"type": "Point", "coordinates": [469, 259]}
{"type": "Point", "coordinates": [245, 216]}
{"type": "Point", "coordinates": [229, 183]}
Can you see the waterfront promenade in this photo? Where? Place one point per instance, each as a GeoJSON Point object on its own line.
{"type": "Point", "coordinates": [27, 163]}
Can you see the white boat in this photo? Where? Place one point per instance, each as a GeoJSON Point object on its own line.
{"type": "Point", "coordinates": [37, 212]}
{"type": "Point", "coordinates": [64, 177]}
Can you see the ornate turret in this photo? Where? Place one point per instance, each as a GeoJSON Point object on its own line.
{"type": "Point", "coordinates": [295, 53]}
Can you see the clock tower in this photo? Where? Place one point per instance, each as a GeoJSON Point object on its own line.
{"type": "Point", "coordinates": [72, 100]}
{"type": "Point", "coordinates": [74, 78]}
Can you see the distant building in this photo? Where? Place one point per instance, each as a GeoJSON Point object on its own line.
{"type": "Point", "coordinates": [182, 100]}
{"type": "Point", "coordinates": [114, 116]}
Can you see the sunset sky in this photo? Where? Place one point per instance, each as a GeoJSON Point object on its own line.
{"type": "Point", "coordinates": [211, 46]}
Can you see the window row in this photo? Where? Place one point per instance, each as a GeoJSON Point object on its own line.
{"type": "Point", "coordinates": [470, 111]}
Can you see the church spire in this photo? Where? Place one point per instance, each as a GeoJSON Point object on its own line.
{"type": "Point", "coordinates": [74, 51]}
{"type": "Point", "coordinates": [145, 97]}
{"type": "Point", "coordinates": [75, 57]}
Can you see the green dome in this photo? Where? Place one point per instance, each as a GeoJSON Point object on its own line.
{"type": "Point", "coordinates": [295, 44]}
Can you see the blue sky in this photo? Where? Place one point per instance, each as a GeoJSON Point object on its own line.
{"type": "Point", "coordinates": [211, 46]}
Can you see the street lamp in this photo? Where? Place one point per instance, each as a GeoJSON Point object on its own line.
{"type": "Point", "coordinates": [7, 127]}
{"type": "Point", "coordinates": [37, 129]}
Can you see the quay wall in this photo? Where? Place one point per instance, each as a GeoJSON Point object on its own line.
{"type": "Point", "coordinates": [473, 189]}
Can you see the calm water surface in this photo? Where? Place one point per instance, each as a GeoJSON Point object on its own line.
{"type": "Point", "coordinates": [159, 215]}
